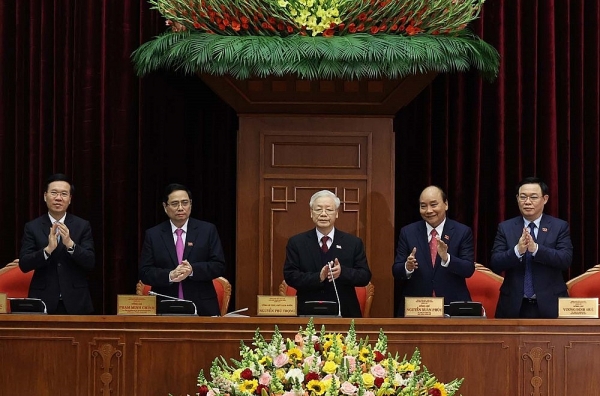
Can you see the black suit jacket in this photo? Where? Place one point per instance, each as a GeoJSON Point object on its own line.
{"type": "Point", "coordinates": [203, 251]}
{"type": "Point", "coordinates": [304, 261]}
{"type": "Point", "coordinates": [63, 274]}
{"type": "Point", "coordinates": [448, 282]}
{"type": "Point", "coordinates": [554, 255]}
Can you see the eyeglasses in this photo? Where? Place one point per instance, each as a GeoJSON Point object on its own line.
{"type": "Point", "coordinates": [524, 198]}
{"type": "Point", "coordinates": [328, 212]}
{"type": "Point", "coordinates": [175, 204]}
{"type": "Point", "coordinates": [55, 194]}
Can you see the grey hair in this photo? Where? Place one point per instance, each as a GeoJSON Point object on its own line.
{"type": "Point", "coordinates": [324, 193]}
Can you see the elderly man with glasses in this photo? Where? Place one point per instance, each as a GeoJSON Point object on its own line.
{"type": "Point", "coordinates": [531, 251]}
{"type": "Point", "coordinates": [181, 256]}
{"type": "Point", "coordinates": [306, 265]}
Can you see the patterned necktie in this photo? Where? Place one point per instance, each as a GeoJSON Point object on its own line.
{"type": "Point", "coordinates": [179, 250]}
{"type": "Point", "coordinates": [528, 279]}
{"type": "Point", "coordinates": [433, 243]}
{"type": "Point", "coordinates": [324, 247]}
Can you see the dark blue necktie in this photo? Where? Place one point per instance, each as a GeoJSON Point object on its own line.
{"type": "Point", "coordinates": [528, 280]}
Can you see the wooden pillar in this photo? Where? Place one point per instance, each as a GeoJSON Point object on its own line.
{"type": "Point", "coordinates": [297, 137]}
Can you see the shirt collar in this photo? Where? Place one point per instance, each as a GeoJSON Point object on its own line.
{"type": "Point", "coordinates": [439, 229]}
{"type": "Point", "coordinates": [53, 220]}
{"type": "Point", "coordinates": [321, 235]}
{"type": "Point", "coordinates": [536, 221]}
{"type": "Point", "coordinates": [183, 227]}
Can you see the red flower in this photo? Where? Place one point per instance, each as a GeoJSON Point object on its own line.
{"type": "Point", "coordinates": [235, 25]}
{"type": "Point", "coordinates": [362, 16]}
{"type": "Point", "coordinates": [360, 27]}
{"type": "Point", "coordinates": [290, 29]}
{"type": "Point", "coordinates": [260, 388]}
{"type": "Point", "coordinates": [280, 26]}
{"type": "Point", "coordinates": [378, 356]}
{"type": "Point", "coordinates": [197, 25]}
{"type": "Point", "coordinates": [378, 381]}
{"type": "Point", "coordinates": [246, 374]}
{"type": "Point", "coordinates": [202, 390]}
{"type": "Point", "coordinates": [374, 29]}
{"type": "Point", "coordinates": [310, 376]}
{"type": "Point", "coordinates": [352, 28]}
{"type": "Point", "coordinates": [434, 392]}
{"type": "Point", "coordinates": [328, 33]}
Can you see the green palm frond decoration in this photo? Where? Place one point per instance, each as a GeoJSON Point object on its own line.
{"type": "Point", "coordinates": [317, 39]}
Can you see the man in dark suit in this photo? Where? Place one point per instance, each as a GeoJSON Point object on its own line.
{"type": "Point", "coordinates": [60, 248]}
{"type": "Point", "coordinates": [190, 276]}
{"type": "Point", "coordinates": [532, 250]}
{"type": "Point", "coordinates": [308, 253]}
{"type": "Point", "coordinates": [434, 256]}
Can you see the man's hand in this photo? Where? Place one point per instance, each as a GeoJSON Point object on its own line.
{"type": "Point", "coordinates": [524, 241]}
{"type": "Point", "coordinates": [442, 249]}
{"type": "Point", "coordinates": [52, 239]}
{"type": "Point", "coordinates": [411, 261]}
{"type": "Point", "coordinates": [182, 271]}
{"type": "Point", "coordinates": [63, 230]}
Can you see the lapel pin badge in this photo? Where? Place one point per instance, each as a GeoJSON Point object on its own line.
{"type": "Point", "coordinates": [446, 237]}
{"type": "Point", "coordinates": [544, 229]}
{"type": "Point", "coordinates": [338, 246]}
{"type": "Point", "coordinates": [190, 243]}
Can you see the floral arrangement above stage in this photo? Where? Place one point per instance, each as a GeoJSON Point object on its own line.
{"type": "Point", "coordinates": [321, 364]}
{"type": "Point", "coordinates": [312, 39]}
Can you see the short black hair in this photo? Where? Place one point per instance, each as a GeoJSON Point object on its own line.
{"type": "Point", "coordinates": [59, 177]}
{"type": "Point", "coordinates": [175, 187]}
{"type": "Point", "coordinates": [533, 180]}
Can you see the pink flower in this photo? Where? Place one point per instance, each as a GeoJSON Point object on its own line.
{"type": "Point", "coordinates": [348, 389]}
{"type": "Point", "coordinates": [378, 371]}
{"type": "Point", "coordinates": [264, 379]}
{"type": "Point", "coordinates": [351, 362]}
{"type": "Point", "coordinates": [280, 360]}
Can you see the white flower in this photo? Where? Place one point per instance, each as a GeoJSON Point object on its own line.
{"type": "Point", "coordinates": [295, 374]}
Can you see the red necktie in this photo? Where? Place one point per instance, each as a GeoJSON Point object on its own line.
{"type": "Point", "coordinates": [324, 247]}
{"type": "Point", "coordinates": [433, 246]}
{"type": "Point", "coordinates": [179, 251]}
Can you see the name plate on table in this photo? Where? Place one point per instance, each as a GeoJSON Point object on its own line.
{"type": "Point", "coordinates": [3, 303]}
{"type": "Point", "coordinates": [136, 305]}
{"type": "Point", "coordinates": [577, 307]}
{"type": "Point", "coordinates": [277, 306]}
{"type": "Point", "coordinates": [423, 307]}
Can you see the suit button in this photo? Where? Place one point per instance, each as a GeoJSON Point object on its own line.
{"type": "Point", "coordinates": [58, 264]}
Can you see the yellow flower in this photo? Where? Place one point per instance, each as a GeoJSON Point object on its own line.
{"type": "Point", "coordinates": [295, 355]}
{"type": "Point", "coordinates": [265, 360]}
{"type": "Point", "coordinates": [406, 367]}
{"type": "Point", "coordinates": [439, 386]}
{"type": "Point", "coordinates": [282, 3]}
{"type": "Point", "coordinates": [330, 367]}
{"type": "Point", "coordinates": [364, 355]}
{"type": "Point", "coordinates": [248, 386]}
{"type": "Point", "coordinates": [235, 376]}
{"type": "Point", "coordinates": [315, 386]}
{"type": "Point", "coordinates": [368, 380]}
{"type": "Point", "coordinates": [280, 374]}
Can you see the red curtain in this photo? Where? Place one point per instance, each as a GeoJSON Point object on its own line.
{"type": "Point", "coordinates": [540, 117]}
{"type": "Point", "coordinates": [71, 102]}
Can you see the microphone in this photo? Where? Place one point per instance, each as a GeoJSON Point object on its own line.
{"type": "Point", "coordinates": [174, 299]}
{"type": "Point", "coordinates": [337, 296]}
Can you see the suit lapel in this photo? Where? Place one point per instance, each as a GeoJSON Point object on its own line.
{"type": "Point", "coordinates": [423, 244]}
{"type": "Point", "coordinates": [545, 228]}
{"type": "Point", "coordinates": [190, 238]}
{"type": "Point", "coordinates": [167, 237]}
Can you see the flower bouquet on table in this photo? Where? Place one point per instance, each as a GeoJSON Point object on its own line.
{"type": "Point", "coordinates": [321, 364]}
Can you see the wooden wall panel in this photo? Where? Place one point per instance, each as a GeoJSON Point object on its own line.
{"type": "Point", "coordinates": [282, 161]}
{"type": "Point", "coordinates": [139, 356]}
